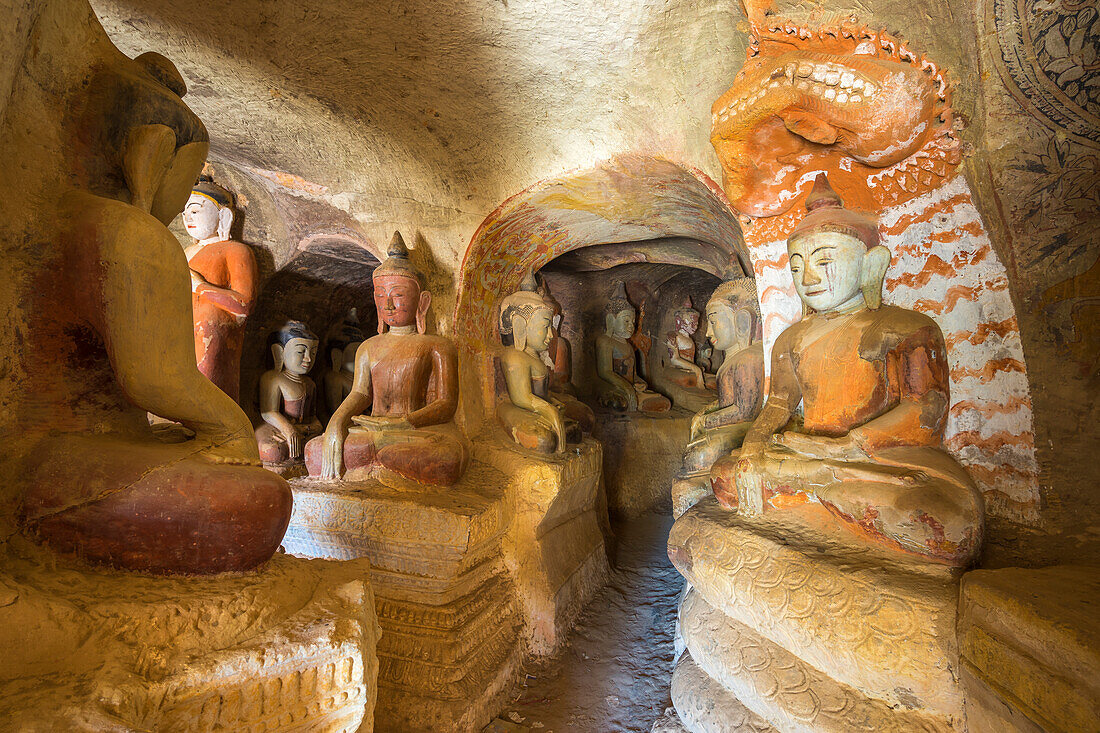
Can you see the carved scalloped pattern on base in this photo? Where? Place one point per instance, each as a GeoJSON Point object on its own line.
{"type": "Point", "coordinates": [782, 688]}
{"type": "Point", "coordinates": [704, 706]}
{"type": "Point", "coordinates": [885, 628]}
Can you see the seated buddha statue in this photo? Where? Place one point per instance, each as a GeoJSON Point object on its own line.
{"type": "Point", "coordinates": [680, 349]}
{"type": "Point", "coordinates": [620, 386]}
{"type": "Point", "coordinates": [533, 415]}
{"type": "Point", "coordinates": [873, 382]}
{"type": "Point", "coordinates": [110, 339]}
{"type": "Point", "coordinates": [734, 328]}
{"type": "Point", "coordinates": [223, 285]}
{"type": "Point", "coordinates": [288, 398]}
{"type": "Point", "coordinates": [408, 381]}
{"type": "Point", "coordinates": [559, 350]}
{"type": "Point", "coordinates": [343, 345]}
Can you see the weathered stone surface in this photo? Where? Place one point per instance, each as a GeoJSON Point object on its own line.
{"type": "Point", "coordinates": [781, 688]}
{"type": "Point", "coordinates": [289, 647]}
{"type": "Point", "coordinates": [876, 622]}
{"type": "Point", "coordinates": [1031, 648]}
{"type": "Point", "coordinates": [704, 706]}
{"type": "Point", "coordinates": [641, 456]}
{"type": "Point", "coordinates": [554, 546]}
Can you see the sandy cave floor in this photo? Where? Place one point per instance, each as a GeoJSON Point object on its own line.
{"type": "Point", "coordinates": [613, 676]}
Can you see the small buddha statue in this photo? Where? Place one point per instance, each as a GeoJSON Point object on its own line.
{"type": "Point", "coordinates": [534, 416]}
{"type": "Point", "coordinates": [680, 349]}
{"type": "Point", "coordinates": [873, 382]}
{"type": "Point", "coordinates": [620, 386]}
{"type": "Point", "coordinates": [110, 340]}
{"type": "Point", "coordinates": [559, 349]}
{"type": "Point", "coordinates": [408, 381]}
{"type": "Point", "coordinates": [288, 398]}
{"type": "Point", "coordinates": [223, 284]}
{"type": "Point", "coordinates": [734, 328]}
{"type": "Point", "coordinates": [337, 381]}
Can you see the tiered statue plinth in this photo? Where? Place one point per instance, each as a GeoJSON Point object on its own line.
{"type": "Point", "coordinates": [802, 623]}
{"type": "Point", "coordinates": [470, 579]}
{"type": "Point", "coordinates": [554, 546]}
{"type": "Point", "coordinates": [642, 454]}
{"type": "Point", "coordinates": [1030, 649]}
{"type": "Point", "coordinates": [448, 610]}
{"type": "Point", "coordinates": [289, 647]}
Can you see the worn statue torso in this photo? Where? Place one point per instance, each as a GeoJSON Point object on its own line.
{"type": "Point", "coordinates": [853, 368]}
{"type": "Point", "coordinates": [622, 358]}
{"type": "Point", "coordinates": [404, 372]}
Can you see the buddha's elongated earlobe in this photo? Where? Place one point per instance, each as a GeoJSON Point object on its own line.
{"type": "Point", "coordinates": [519, 331]}
{"type": "Point", "coordinates": [225, 222]}
{"type": "Point", "coordinates": [277, 355]}
{"type": "Point", "coordinates": [149, 151]}
{"type": "Point", "coordinates": [875, 262]}
{"type": "Point", "coordinates": [422, 311]}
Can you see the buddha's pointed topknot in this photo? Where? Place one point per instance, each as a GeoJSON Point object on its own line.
{"type": "Point", "coordinates": [398, 263]}
{"type": "Point", "coordinates": [822, 195]}
{"type": "Point", "coordinates": [618, 302]}
{"type": "Point", "coordinates": [826, 213]}
{"type": "Point", "coordinates": [397, 247]}
{"type": "Point", "coordinates": [529, 284]}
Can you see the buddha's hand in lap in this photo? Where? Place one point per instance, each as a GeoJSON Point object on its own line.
{"type": "Point", "coordinates": [820, 448]}
{"type": "Point", "coordinates": [293, 440]}
{"type": "Point", "coordinates": [382, 422]}
{"type": "Point", "coordinates": [332, 455]}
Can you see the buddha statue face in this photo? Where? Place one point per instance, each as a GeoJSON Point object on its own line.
{"type": "Point", "coordinates": [399, 300]}
{"type": "Point", "coordinates": [536, 330]}
{"type": "Point", "coordinates": [298, 355]}
{"type": "Point", "coordinates": [200, 217]}
{"type": "Point", "coordinates": [621, 324]}
{"type": "Point", "coordinates": [720, 326]}
{"type": "Point", "coordinates": [828, 270]}
{"type": "Point", "coordinates": [687, 322]}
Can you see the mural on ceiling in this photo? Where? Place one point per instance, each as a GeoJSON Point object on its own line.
{"type": "Point", "coordinates": [628, 199]}
{"type": "Point", "coordinates": [810, 101]}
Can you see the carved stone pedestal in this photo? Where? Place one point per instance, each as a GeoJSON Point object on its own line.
{"type": "Point", "coordinates": [290, 647]}
{"type": "Point", "coordinates": [1031, 649]}
{"type": "Point", "coordinates": [451, 623]}
{"type": "Point", "coordinates": [806, 627]}
{"type": "Point", "coordinates": [554, 546]}
{"type": "Point", "coordinates": [642, 455]}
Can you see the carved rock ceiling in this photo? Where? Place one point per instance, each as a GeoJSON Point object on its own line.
{"type": "Point", "coordinates": [432, 113]}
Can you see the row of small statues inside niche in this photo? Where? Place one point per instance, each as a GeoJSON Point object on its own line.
{"type": "Point", "coordinates": [867, 444]}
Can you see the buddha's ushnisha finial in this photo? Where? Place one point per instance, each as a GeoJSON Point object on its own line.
{"type": "Point", "coordinates": [398, 263]}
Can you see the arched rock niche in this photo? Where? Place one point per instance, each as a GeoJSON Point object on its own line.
{"type": "Point", "coordinates": [645, 212]}
{"type": "Point", "coordinates": [330, 273]}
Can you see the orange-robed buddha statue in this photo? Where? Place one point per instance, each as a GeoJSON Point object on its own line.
{"type": "Point", "coordinates": [408, 381]}
{"type": "Point", "coordinates": [109, 341]}
{"type": "Point", "coordinates": [873, 381]}
{"type": "Point", "coordinates": [223, 285]}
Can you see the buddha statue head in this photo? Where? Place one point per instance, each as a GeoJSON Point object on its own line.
{"type": "Point", "coordinates": [555, 306]}
{"type": "Point", "coordinates": [294, 349]}
{"type": "Point", "coordinates": [619, 314]}
{"type": "Point", "coordinates": [400, 294]}
{"type": "Point", "coordinates": [836, 260]}
{"type": "Point", "coordinates": [525, 318]}
{"type": "Point", "coordinates": [687, 318]}
{"type": "Point", "coordinates": [209, 211]}
{"type": "Point", "coordinates": [345, 343]}
{"type": "Point", "coordinates": [733, 315]}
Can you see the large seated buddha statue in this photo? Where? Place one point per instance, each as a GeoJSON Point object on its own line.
{"type": "Point", "coordinates": [620, 385]}
{"type": "Point", "coordinates": [223, 285]}
{"type": "Point", "coordinates": [734, 328]}
{"type": "Point", "coordinates": [109, 339]}
{"type": "Point", "coordinates": [873, 382]}
{"type": "Point", "coordinates": [534, 416]}
{"type": "Point", "coordinates": [397, 423]}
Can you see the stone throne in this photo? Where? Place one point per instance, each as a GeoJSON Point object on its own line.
{"type": "Point", "coordinates": [145, 591]}
{"type": "Point", "coordinates": [794, 618]}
